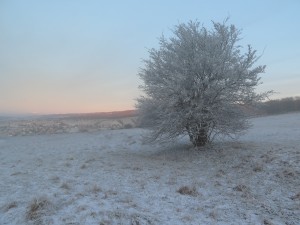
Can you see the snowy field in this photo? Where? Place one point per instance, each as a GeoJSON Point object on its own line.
{"type": "Point", "coordinates": [111, 177]}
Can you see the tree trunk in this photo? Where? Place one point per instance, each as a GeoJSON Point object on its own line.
{"type": "Point", "coordinates": [199, 139]}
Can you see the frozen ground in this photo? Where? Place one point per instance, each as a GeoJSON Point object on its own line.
{"type": "Point", "coordinates": [111, 177]}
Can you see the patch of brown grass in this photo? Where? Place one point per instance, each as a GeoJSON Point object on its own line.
{"type": "Point", "coordinates": [83, 166]}
{"type": "Point", "coordinates": [96, 189]}
{"type": "Point", "coordinates": [244, 189]}
{"type": "Point", "coordinates": [267, 222]}
{"type": "Point", "coordinates": [241, 188]}
{"type": "Point", "coordinates": [65, 186]}
{"type": "Point", "coordinates": [186, 190]}
{"type": "Point", "coordinates": [10, 205]}
{"type": "Point", "coordinates": [37, 208]}
{"type": "Point", "coordinates": [258, 168]}
{"type": "Point", "coordinates": [296, 196]}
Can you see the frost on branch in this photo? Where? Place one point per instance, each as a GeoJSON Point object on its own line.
{"type": "Point", "coordinates": [197, 84]}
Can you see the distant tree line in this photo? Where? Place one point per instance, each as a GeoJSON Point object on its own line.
{"type": "Point", "coordinates": [279, 106]}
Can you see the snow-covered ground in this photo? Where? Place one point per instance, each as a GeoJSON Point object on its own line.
{"type": "Point", "coordinates": [111, 177]}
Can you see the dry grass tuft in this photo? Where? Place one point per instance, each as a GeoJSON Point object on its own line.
{"type": "Point", "coordinates": [220, 173]}
{"type": "Point", "coordinates": [9, 206]}
{"type": "Point", "coordinates": [37, 208]}
{"type": "Point", "coordinates": [258, 168]}
{"type": "Point", "coordinates": [55, 179]}
{"type": "Point", "coordinates": [246, 193]}
{"type": "Point", "coordinates": [90, 160]}
{"type": "Point", "coordinates": [65, 186]}
{"type": "Point", "coordinates": [83, 166]}
{"type": "Point", "coordinates": [137, 168]}
{"type": "Point", "coordinates": [109, 193]}
{"type": "Point", "coordinates": [96, 189]}
{"type": "Point", "coordinates": [67, 164]}
{"type": "Point", "coordinates": [241, 188]}
{"type": "Point", "coordinates": [267, 222]}
{"type": "Point", "coordinates": [16, 173]}
{"type": "Point", "coordinates": [213, 215]}
{"type": "Point", "coordinates": [185, 190]}
{"type": "Point", "coordinates": [296, 197]}
{"type": "Point", "coordinates": [289, 173]}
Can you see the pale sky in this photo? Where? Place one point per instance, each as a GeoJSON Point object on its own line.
{"type": "Point", "coordinates": [71, 56]}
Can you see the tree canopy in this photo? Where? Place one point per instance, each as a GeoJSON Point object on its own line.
{"type": "Point", "coordinates": [198, 83]}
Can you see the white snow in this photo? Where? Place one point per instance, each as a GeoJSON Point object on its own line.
{"type": "Point", "coordinates": [111, 177]}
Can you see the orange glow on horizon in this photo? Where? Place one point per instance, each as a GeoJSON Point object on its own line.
{"type": "Point", "coordinates": [64, 108]}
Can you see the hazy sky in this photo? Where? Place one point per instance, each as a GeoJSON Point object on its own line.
{"type": "Point", "coordinates": [83, 56]}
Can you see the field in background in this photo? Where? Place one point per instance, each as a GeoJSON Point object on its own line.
{"type": "Point", "coordinates": [90, 122]}
{"type": "Point", "coordinates": [67, 123]}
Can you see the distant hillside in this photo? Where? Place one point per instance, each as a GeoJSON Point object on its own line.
{"type": "Point", "coordinates": [98, 115]}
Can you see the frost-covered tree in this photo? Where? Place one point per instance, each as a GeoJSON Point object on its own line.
{"type": "Point", "coordinates": [198, 83]}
